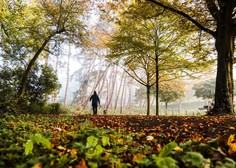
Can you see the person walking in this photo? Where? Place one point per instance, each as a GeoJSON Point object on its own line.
{"type": "Point", "coordinates": [95, 102]}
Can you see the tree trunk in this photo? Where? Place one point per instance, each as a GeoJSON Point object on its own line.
{"type": "Point", "coordinates": [32, 62]}
{"type": "Point", "coordinates": [55, 95]}
{"type": "Point", "coordinates": [67, 76]}
{"type": "Point", "coordinates": [166, 106]}
{"type": "Point", "coordinates": [224, 78]}
{"type": "Point", "coordinates": [157, 86]}
{"type": "Point", "coordinates": [157, 74]}
{"type": "Point", "coordinates": [111, 90]}
{"type": "Point", "coordinates": [29, 67]}
{"type": "Point", "coordinates": [119, 90]}
{"type": "Point", "coordinates": [148, 99]}
{"type": "Point", "coordinates": [122, 96]}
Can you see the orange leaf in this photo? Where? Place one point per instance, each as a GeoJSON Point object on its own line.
{"type": "Point", "coordinates": [82, 164]}
{"type": "Point", "coordinates": [73, 152]}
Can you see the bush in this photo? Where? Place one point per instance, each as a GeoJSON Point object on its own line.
{"type": "Point", "coordinates": [41, 83]}
{"type": "Point", "coordinates": [55, 108]}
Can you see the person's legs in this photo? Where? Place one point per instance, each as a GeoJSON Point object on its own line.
{"type": "Point", "coordinates": [94, 110]}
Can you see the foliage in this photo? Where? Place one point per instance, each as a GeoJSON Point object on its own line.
{"type": "Point", "coordinates": [73, 141]}
{"type": "Point", "coordinates": [156, 47]}
{"type": "Point", "coordinates": [208, 17]}
{"type": "Point", "coordinates": [206, 89]}
{"type": "Point", "coordinates": [42, 82]}
{"type": "Point", "coordinates": [29, 29]}
{"type": "Point", "coordinates": [171, 91]}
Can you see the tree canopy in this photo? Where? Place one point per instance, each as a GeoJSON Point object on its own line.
{"type": "Point", "coordinates": [30, 28]}
{"type": "Point", "coordinates": [155, 34]}
{"type": "Point", "coordinates": [30, 31]}
{"type": "Point", "coordinates": [216, 18]}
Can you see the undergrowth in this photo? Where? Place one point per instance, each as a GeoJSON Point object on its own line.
{"type": "Point", "coordinates": [37, 141]}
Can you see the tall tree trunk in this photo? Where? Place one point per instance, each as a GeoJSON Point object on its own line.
{"type": "Point", "coordinates": [130, 95]}
{"type": "Point", "coordinates": [111, 90]}
{"type": "Point", "coordinates": [122, 96]}
{"type": "Point", "coordinates": [104, 76]}
{"type": "Point", "coordinates": [29, 67]}
{"type": "Point", "coordinates": [148, 99]}
{"type": "Point", "coordinates": [157, 91]}
{"type": "Point", "coordinates": [157, 76]}
{"type": "Point", "coordinates": [224, 78]}
{"type": "Point", "coordinates": [119, 90]}
{"type": "Point", "coordinates": [96, 83]}
{"type": "Point", "coordinates": [33, 60]}
{"type": "Point", "coordinates": [55, 95]}
{"type": "Point", "coordinates": [67, 76]}
{"type": "Point", "coordinates": [166, 106]}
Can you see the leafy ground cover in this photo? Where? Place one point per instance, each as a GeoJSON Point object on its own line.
{"type": "Point", "coordinates": [83, 141]}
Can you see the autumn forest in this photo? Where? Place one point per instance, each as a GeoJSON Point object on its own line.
{"type": "Point", "coordinates": [122, 83]}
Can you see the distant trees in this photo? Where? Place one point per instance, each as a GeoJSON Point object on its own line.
{"type": "Point", "coordinates": [170, 91]}
{"type": "Point", "coordinates": [206, 89]}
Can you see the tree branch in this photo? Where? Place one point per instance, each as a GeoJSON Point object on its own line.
{"type": "Point", "coordinates": [200, 26]}
{"type": "Point", "coordinates": [213, 9]}
{"type": "Point", "coordinates": [4, 30]}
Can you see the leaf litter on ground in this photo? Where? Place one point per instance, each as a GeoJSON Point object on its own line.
{"type": "Point", "coordinates": [116, 141]}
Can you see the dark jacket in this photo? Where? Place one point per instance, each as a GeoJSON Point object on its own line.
{"type": "Point", "coordinates": [95, 99]}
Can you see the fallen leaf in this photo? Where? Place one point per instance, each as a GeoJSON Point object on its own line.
{"type": "Point", "coordinates": [61, 147]}
{"type": "Point", "coordinates": [82, 164]}
{"type": "Point", "coordinates": [137, 157]}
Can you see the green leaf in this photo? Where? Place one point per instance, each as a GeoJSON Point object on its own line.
{"type": "Point", "coordinates": [98, 150]}
{"type": "Point", "coordinates": [167, 149]}
{"type": "Point", "coordinates": [194, 159]}
{"type": "Point", "coordinates": [38, 138]}
{"type": "Point", "coordinates": [228, 163]}
{"type": "Point", "coordinates": [29, 147]}
{"type": "Point", "coordinates": [105, 141]}
{"type": "Point", "coordinates": [166, 162]}
{"type": "Point", "coordinates": [91, 142]}
{"type": "Point", "coordinates": [85, 123]}
{"type": "Point", "coordinates": [93, 164]}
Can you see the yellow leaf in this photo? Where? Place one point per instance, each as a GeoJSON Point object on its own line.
{"type": "Point", "coordinates": [231, 143]}
{"type": "Point", "coordinates": [121, 140]}
{"type": "Point", "coordinates": [73, 152]}
{"type": "Point", "coordinates": [38, 165]}
{"type": "Point", "coordinates": [137, 157]}
{"type": "Point", "coordinates": [149, 138]}
{"type": "Point", "coordinates": [232, 128]}
{"type": "Point", "coordinates": [61, 147]}
{"type": "Point", "coordinates": [178, 149]}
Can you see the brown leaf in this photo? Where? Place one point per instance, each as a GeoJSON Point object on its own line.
{"type": "Point", "coordinates": [82, 164]}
